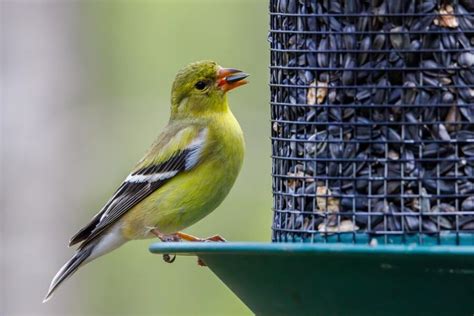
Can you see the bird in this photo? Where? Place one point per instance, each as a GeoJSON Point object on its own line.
{"type": "Point", "coordinates": [186, 173]}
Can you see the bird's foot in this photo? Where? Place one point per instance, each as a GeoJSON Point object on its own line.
{"type": "Point", "coordinates": [187, 237]}
{"type": "Point", "coordinates": [179, 236]}
{"type": "Point", "coordinates": [166, 238]}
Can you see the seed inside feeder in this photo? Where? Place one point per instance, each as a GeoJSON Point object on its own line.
{"type": "Point", "coordinates": [325, 201]}
{"type": "Point", "coordinates": [446, 17]}
{"type": "Point", "coordinates": [393, 138]}
{"type": "Point", "coordinates": [317, 92]}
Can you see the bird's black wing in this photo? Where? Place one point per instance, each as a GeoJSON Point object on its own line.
{"type": "Point", "coordinates": [140, 184]}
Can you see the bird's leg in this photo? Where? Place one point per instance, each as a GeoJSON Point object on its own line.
{"type": "Point", "coordinates": [187, 237]}
{"type": "Point", "coordinates": [166, 238]}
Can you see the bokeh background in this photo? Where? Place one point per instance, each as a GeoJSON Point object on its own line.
{"type": "Point", "coordinates": [84, 90]}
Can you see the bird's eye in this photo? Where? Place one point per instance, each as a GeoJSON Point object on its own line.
{"type": "Point", "coordinates": [200, 85]}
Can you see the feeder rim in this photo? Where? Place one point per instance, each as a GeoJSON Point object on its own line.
{"type": "Point", "coordinates": [259, 248]}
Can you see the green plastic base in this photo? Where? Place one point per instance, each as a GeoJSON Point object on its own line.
{"type": "Point", "coordinates": [341, 279]}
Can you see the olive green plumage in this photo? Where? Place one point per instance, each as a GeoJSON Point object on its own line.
{"type": "Point", "coordinates": [186, 174]}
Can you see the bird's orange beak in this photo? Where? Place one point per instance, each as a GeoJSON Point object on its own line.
{"type": "Point", "coordinates": [229, 78]}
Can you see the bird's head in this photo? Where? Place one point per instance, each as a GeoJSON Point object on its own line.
{"type": "Point", "coordinates": [200, 89]}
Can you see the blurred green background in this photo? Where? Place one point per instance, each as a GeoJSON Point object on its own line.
{"type": "Point", "coordinates": [112, 71]}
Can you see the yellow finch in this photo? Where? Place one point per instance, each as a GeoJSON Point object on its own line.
{"type": "Point", "coordinates": [186, 174]}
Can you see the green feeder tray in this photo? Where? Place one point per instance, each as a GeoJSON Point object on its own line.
{"type": "Point", "coordinates": [340, 279]}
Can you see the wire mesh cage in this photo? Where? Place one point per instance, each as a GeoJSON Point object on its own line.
{"type": "Point", "coordinates": [372, 106]}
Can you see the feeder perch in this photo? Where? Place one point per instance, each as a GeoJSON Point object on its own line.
{"type": "Point", "coordinates": [372, 131]}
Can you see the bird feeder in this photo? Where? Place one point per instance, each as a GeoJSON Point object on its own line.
{"type": "Point", "coordinates": [372, 131]}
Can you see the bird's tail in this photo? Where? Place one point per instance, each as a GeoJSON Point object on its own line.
{"type": "Point", "coordinates": [69, 268]}
{"type": "Point", "coordinates": [87, 252]}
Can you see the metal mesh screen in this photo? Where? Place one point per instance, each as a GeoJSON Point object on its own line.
{"type": "Point", "coordinates": [372, 107]}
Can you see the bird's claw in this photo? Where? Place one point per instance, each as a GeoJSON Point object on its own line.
{"type": "Point", "coordinates": [216, 238]}
{"type": "Point", "coordinates": [170, 238]}
{"type": "Point", "coordinates": [169, 258]}
{"type": "Point", "coordinates": [165, 238]}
